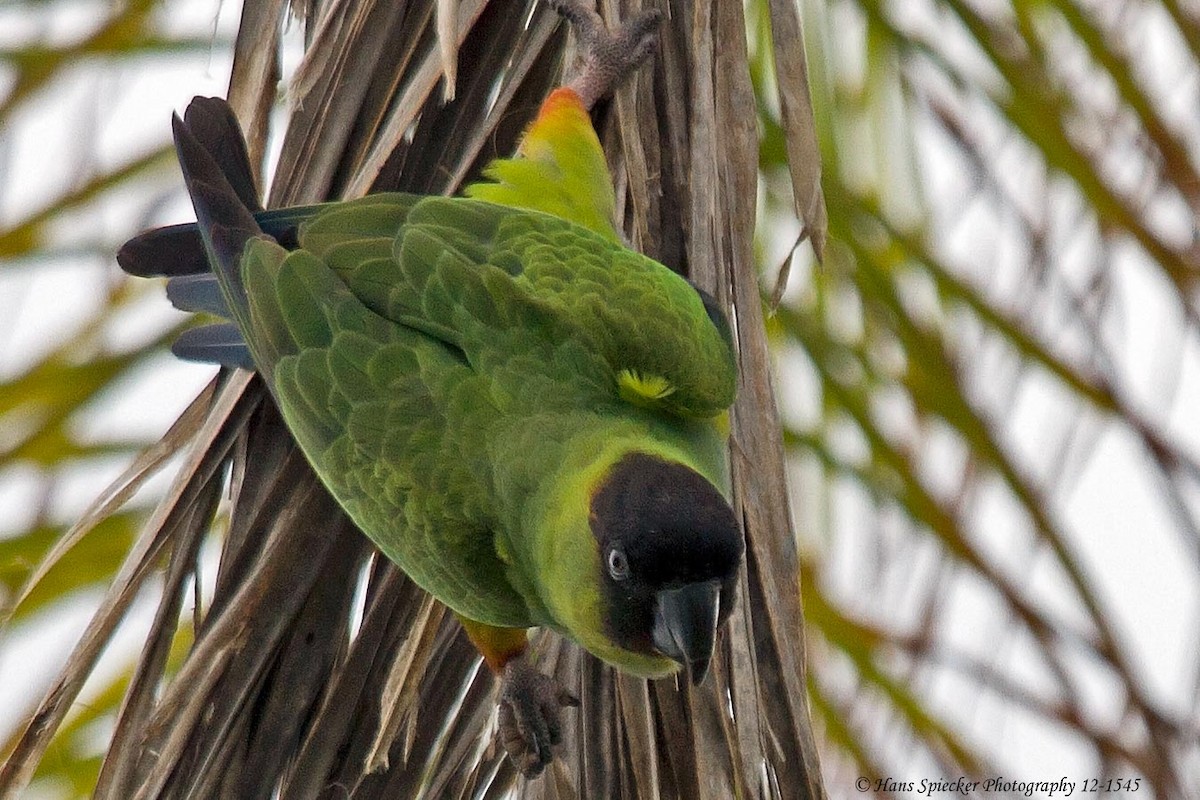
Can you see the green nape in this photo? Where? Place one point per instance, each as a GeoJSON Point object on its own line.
{"type": "Point", "coordinates": [559, 170]}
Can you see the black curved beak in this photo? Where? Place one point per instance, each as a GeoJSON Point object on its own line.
{"type": "Point", "coordinates": [685, 625]}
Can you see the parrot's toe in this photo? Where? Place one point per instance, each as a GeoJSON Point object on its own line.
{"type": "Point", "coordinates": [608, 55]}
{"type": "Point", "coordinates": [531, 716]}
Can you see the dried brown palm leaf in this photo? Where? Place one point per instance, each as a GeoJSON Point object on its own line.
{"type": "Point", "coordinates": [281, 692]}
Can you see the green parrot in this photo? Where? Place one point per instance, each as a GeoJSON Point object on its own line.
{"type": "Point", "coordinates": [521, 412]}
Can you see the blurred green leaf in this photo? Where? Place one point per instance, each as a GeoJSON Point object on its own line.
{"type": "Point", "coordinates": [89, 565]}
{"type": "Point", "coordinates": [29, 233]}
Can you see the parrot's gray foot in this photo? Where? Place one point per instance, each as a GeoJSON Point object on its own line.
{"type": "Point", "coordinates": [608, 56]}
{"type": "Point", "coordinates": [530, 715]}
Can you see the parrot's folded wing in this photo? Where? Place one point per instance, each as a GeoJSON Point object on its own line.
{"type": "Point", "coordinates": [369, 400]}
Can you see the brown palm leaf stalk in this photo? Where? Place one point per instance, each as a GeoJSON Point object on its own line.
{"type": "Point", "coordinates": [318, 669]}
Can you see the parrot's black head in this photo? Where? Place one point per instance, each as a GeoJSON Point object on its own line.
{"type": "Point", "coordinates": [670, 549]}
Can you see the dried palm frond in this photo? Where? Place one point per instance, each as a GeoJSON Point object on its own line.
{"type": "Point", "coordinates": [283, 689]}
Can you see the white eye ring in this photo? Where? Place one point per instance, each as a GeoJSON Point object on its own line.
{"type": "Point", "coordinates": [618, 564]}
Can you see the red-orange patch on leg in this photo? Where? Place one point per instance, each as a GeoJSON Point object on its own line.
{"type": "Point", "coordinates": [496, 645]}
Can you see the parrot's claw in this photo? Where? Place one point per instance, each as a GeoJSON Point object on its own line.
{"type": "Point", "coordinates": [608, 56]}
{"type": "Point", "coordinates": [530, 715]}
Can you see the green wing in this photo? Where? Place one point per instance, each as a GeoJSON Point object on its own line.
{"type": "Point", "coordinates": [385, 414]}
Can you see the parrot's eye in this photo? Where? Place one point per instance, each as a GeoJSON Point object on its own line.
{"type": "Point", "coordinates": [618, 564]}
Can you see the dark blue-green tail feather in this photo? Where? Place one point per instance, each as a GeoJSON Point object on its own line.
{"type": "Point", "coordinates": [164, 252]}
{"type": "Point", "coordinates": [220, 180]}
{"type": "Point", "coordinates": [214, 344]}
{"type": "Point", "coordinates": [211, 121]}
{"type": "Point", "coordinates": [177, 250]}
{"type": "Point", "coordinates": [198, 293]}
{"type": "Point", "coordinates": [226, 223]}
